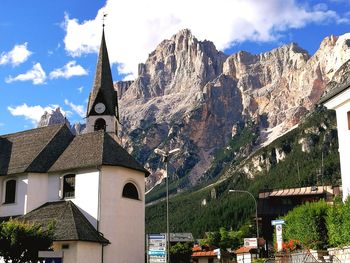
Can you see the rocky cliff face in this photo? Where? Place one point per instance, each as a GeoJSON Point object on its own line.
{"type": "Point", "coordinates": [57, 117]}
{"type": "Point", "coordinates": [191, 96]}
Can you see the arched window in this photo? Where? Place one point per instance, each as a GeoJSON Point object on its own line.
{"type": "Point", "coordinates": [10, 191]}
{"type": "Point", "coordinates": [130, 191]}
{"type": "Point", "coordinates": [100, 124]}
{"type": "Point", "coordinates": [68, 186]}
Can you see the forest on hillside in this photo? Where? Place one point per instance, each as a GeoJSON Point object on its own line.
{"type": "Point", "coordinates": [209, 206]}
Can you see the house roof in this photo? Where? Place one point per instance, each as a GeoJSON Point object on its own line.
{"type": "Point", "coordinates": [33, 150]}
{"type": "Point", "coordinates": [204, 254]}
{"type": "Point", "coordinates": [69, 222]}
{"type": "Point", "coordinates": [336, 90]}
{"type": "Point", "coordinates": [103, 89]}
{"type": "Point", "coordinates": [310, 190]}
{"type": "Point", "coordinates": [54, 148]}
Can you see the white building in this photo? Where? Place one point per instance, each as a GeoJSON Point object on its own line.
{"type": "Point", "coordinates": [88, 185]}
{"type": "Point", "coordinates": [338, 99]}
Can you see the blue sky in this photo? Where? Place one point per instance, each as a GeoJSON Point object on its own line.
{"type": "Point", "coordinates": [48, 49]}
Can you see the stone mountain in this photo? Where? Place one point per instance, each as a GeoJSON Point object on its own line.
{"type": "Point", "coordinates": [192, 96]}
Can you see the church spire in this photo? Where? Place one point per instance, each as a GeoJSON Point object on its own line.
{"type": "Point", "coordinates": [103, 89]}
{"type": "Point", "coordinates": [102, 110]}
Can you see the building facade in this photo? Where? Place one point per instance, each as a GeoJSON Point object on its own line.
{"type": "Point", "coordinates": [338, 99]}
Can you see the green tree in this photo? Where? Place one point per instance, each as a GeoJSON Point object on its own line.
{"type": "Point", "coordinates": [307, 224]}
{"type": "Point", "coordinates": [20, 241]}
{"type": "Point", "coordinates": [181, 252]}
{"type": "Point", "coordinates": [226, 239]}
{"type": "Point", "coordinates": [338, 223]}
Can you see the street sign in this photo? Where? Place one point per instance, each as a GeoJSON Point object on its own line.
{"type": "Point", "coordinates": [156, 248]}
{"type": "Point", "coordinates": [277, 222]}
{"type": "Point", "coordinates": [251, 242]}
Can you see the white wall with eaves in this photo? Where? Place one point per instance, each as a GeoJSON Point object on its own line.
{"type": "Point", "coordinates": [19, 207]}
{"type": "Point", "coordinates": [341, 104]}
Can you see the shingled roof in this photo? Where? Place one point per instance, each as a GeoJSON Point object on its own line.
{"type": "Point", "coordinates": [54, 149]}
{"type": "Point", "coordinates": [93, 150]}
{"type": "Point", "coordinates": [69, 223]}
{"type": "Point", "coordinates": [33, 150]}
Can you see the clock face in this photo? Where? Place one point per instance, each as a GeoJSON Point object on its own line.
{"type": "Point", "coordinates": [100, 108]}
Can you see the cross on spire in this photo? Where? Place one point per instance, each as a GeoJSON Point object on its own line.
{"type": "Point", "coordinates": [103, 19]}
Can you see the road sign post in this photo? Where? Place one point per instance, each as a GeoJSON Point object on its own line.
{"type": "Point", "coordinates": [156, 248]}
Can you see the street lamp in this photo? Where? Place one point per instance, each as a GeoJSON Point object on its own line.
{"type": "Point", "coordinates": [166, 155]}
{"type": "Point", "coordinates": [256, 208]}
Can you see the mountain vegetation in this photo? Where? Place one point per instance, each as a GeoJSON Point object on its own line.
{"type": "Point", "coordinates": [307, 155]}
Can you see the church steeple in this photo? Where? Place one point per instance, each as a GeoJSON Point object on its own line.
{"type": "Point", "coordinates": [102, 110]}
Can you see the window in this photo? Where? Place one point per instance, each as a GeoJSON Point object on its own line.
{"type": "Point", "coordinates": [348, 120]}
{"type": "Point", "coordinates": [68, 186]}
{"type": "Point", "coordinates": [130, 191]}
{"type": "Point", "coordinates": [210, 260]}
{"type": "Point", "coordinates": [100, 124]}
{"type": "Point", "coordinates": [10, 191]}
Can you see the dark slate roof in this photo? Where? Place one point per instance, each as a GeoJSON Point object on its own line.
{"type": "Point", "coordinates": [103, 89]}
{"type": "Point", "coordinates": [93, 150]}
{"type": "Point", "coordinates": [334, 92]}
{"type": "Point", "coordinates": [54, 148]}
{"type": "Point", "coordinates": [33, 150]}
{"type": "Point", "coordinates": [69, 223]}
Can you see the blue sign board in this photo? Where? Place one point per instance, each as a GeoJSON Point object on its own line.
{"type": "Point", "coordinates": [157, 253]}
{"type": "Point", "coordinates": [53, 260]}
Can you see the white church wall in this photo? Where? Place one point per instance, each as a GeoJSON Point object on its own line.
{"type": "Point", "coordinates": [122, 219]}
{"type": "Point", "coordinates": [19, 207]}
{"type": "Point", "coordinates": [53, 188]}
{"type": "Point", "coordinates": [70, 253]}
{"type": "Point", "coordinates": [79, 251]}
{"type": "Point", "coordinates": [37, 190]}
{"type": "Point", "coordinates": [86, 195]}
{"type": "Point", "coordinates": [89, 252]}
{"type": "Point", "coordinates": [341, 103]}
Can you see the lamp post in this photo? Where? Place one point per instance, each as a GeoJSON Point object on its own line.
{"type": "Point", "coordinates": [256, 208]}
{"type": "Point", "coordinates": [166, 155]}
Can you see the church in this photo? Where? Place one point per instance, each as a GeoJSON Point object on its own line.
{"type": "Point", "coordinates": [88, 185]}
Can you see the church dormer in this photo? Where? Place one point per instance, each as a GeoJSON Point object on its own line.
{"type": "Point", "coordinates": [102, 110]}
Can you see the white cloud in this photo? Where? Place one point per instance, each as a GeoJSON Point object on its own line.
{"type": "Point", "coordinates": [79, 109]}
{"type": "Point", "coordinates": [32, 113]}
{"type": "Point", "coordinates": [132, 33]}
{"type": "Point", "coordinates": [80, 89]}
{"type": "Point", "coordinates": [16, 56]}
{"type": "Point", "coordinates": [37, 75]}
{"type": "Point", "coordinates": [69, 70]}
